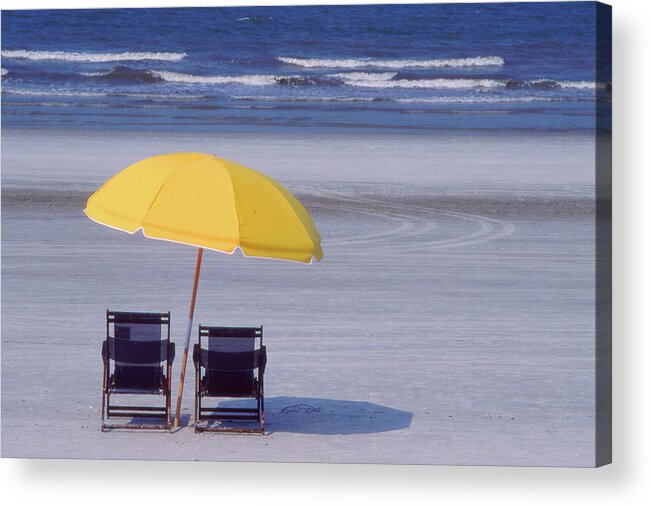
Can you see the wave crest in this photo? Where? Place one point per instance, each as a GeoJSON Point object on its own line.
{"type": "Point", "coordinates": [91, 57]}
{"type": "Point", "coordinates": [352, 63]}
{"type": "Point", "coordinates": [274, 98]}
{"type": "Point", "coordinates": [385, 80]}
{"type": "Point", "coordinates": [247, 79]}
{"type": "Point", "coordinates": [127, 74]}
{"type": "Point", "coordinates": [425, 83]}
{"type": "Point", "coordinates": [52, 93]}
{"type": "Point", "coordinates": [251, 79]}
{"type": "Point", "coordinates": [365, 76]}
{"type": "Point", "coordinates": [550, 84]}
{"type": "Point", "coordinates": [475, 100]}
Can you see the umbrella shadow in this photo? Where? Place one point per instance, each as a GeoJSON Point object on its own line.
{"type": "Point", "coordinates": [319, 416]}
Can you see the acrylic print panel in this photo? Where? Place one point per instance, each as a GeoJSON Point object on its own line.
{"type": "Point", "coordinates": [455, 160]}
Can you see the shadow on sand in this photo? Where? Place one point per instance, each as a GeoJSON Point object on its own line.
{"type": "Point", "coordinates": [318, 416]}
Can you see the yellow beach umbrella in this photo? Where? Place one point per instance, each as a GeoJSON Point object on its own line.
{"type": "Point", "coordinates": [208, 202]}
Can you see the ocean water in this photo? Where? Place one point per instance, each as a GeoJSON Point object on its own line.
{"type": "Point", "coordinates": [414, 68]}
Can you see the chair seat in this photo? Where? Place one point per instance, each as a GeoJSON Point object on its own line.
{"type": "Point", "coordinates": [232, 384]}
{"type": "Point", "coordinates": [229, 384]}
{"type": "Point", "coordinates": [138, 377]}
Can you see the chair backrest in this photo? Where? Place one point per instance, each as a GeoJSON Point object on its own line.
{"type": "Point", "coordinates": [229, 348]}
{"type": "Point", "coordinates": [137, 338]}
{"type": "Point", "coordinates": [230, 355]}
{"type": "Point", "coordinates": [138, 345]}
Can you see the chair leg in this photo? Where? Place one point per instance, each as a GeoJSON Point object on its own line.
{"type": "Point", "coordinates": [103, 392]}
{"type": "Point", "coordinates": [262, 403]}
{"type": "Point", "coordinates": [197, 400]}
{"type": "Point", "coordinates": [199, 407]}
{"type": "Point", "coordinates": [168, 398]}
{"type": "Point", "coordinates": [165, 424]}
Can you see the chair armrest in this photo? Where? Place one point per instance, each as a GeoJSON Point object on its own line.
{"type": "Point", "coordinates": [262, 359]}
{"type": "Point", "coordinates": [105, 352]}
{"type": "Point", "coordinates": [171, 353]}
{"type": "Point", "coordinates": [196, 356]}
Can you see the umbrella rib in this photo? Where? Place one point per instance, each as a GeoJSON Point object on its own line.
{"type": "Point", "coordinates": [273, 184]}
{"type": "Point", "coordinates": [162, 186]}
{"type": "Point", "coordinates": [237, 210]}
{"type": "Point", "coordinates": [160, 189]}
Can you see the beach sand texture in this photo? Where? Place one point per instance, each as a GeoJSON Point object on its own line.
{"type": "Point", "coordinates": [451, 320]}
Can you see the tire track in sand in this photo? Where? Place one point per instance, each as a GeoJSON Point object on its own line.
{"type": "Point", "coordinates": [412, 226]}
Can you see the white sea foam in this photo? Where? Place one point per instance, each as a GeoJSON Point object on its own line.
{"type": "Point", "coordinates": [274, 98]}
{"type": "Point", "coordinates": [365, 80]}
{"type": "Point", "coordinates": [414, 100]}
{"type": "Point", "coordinates": [364, 76]}
{"type": "Point", "coordinates": [4, 72]}
{"type": "Point", "coordinates": [73, 93]}
{"type": "Point", "coordinates": [582, 85]}
{"type": "Point", "coordinates": [91, 57]}
{"type": "Point", "coordinates": [473, 100]}
{"type": "Point", "coordinates": [176, 96]}
{"type": "Point", "coordinates": [353, 63]}
{"type": "Point", "coordinates": [252, 79]}
{"type": "Point", "coordinates": [426, 83]}
{"type": "Point", "coordinates": [53, 93]}
{"type": "Point", "coordinates": [95, 74]}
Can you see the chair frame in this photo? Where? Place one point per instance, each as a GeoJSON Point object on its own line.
{"type": "Point", "coordinates": [202, 413]}
{"type": "Point", "coordinates": [108, 388]}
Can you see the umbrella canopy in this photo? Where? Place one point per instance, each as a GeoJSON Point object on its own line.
{"type": "Point", "coordinates": [209, 202]}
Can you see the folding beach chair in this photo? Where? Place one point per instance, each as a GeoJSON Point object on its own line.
{"type": "Point", "coordinates": [136, 346]}
{"type": "Point", "coordinates": [232, 360]}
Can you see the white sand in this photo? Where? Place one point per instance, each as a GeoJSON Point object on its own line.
{"type": "Point", "coordinates": [451, 320]}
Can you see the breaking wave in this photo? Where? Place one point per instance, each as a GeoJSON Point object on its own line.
{"type": "Point", "coordinates": [78, 93]}
{"type": "Point", "coordinates": [352, 63]}
{"type": "Point", "coordinates": [425, 83]}
{"type": "Point", "coordinates": [365, 76]}
{"type": "Point", "coordinates": [478, 99]}
{"type": "Point", "coordinates": [92, 57]}
{"type": "Point", "coordinates": [355, 79]}
{"type": "Point", "coordinates": [272, 98]}
{"type": "Point", "coordinates": [53, 93]}
{"type": "Point", "coordinates": [252, 79]}
{"type": "Point", "coordinates": [124, 73]}
{"type": "Point", "coordinates": [386, 80]}
{"type": "Point", "coordinates": [550, 84]}
{"type": "Point", "coordinates": [475, 100]}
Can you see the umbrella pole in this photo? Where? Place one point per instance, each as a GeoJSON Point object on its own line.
{"type": "Point", "coordinates": [188, 332]}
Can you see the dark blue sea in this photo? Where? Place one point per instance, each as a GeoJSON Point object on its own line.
{"type": "Point", "coordinates": [408, 68]}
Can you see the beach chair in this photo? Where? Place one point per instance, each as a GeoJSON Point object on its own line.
{"type": "Point", "coordinates": [138, 356]}
{"type": "Point", "coordinates": [229, 363]}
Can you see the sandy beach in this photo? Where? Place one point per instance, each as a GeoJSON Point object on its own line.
{"type": "Point", "coordinates": [451, 320]}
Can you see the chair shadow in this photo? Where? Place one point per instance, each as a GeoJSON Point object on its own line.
{"type": "Point", "coordinates": [319, 416]}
